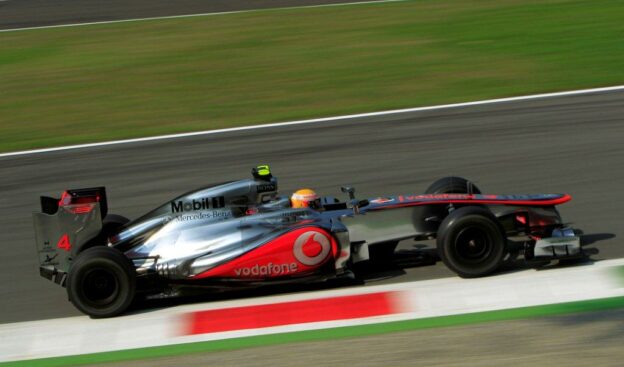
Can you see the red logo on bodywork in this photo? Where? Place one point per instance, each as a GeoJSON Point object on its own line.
{"type": "Point", "coordinates": [311, 248]}
{"type": "Point", "coordinates": [298, 252]}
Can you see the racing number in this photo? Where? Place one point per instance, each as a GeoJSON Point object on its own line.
{"type": "Point", "coordinates": [63, 243]}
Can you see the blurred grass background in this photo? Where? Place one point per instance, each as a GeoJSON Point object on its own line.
{"type": "Point", "coordinates": [101, 82]}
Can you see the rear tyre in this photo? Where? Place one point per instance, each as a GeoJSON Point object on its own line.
{"type": "Point", "coordinates": [111, 225]}
{"type": "Point", "coordinates": [452, 185]}
{"type": "Point", "coordinates": [471, 242]}
{"type": "Point", "coordinates": [113, 222]}
{"type": "Point", "coordinates": [101, 282]}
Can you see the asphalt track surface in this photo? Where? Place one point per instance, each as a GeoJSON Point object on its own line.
{"type": "Point", "coordinates": [37, 13]}
{"type": "Point", "coordinates": [566, 144]}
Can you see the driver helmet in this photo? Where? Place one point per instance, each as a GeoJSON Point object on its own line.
{"type": "Point", "coordinates": [305, 198]}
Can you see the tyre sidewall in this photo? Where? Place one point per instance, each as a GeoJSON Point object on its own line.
{"type": "Point", "coordinates": [113, 262]}
{"type": "Point", "coordinates": [454, 224]}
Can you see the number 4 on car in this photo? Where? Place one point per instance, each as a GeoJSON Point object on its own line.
{"type": "Point", "coordinates": [63, 243]}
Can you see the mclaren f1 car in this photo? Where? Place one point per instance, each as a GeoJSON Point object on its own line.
{"type": "Point", "coordinates": [242, 234]}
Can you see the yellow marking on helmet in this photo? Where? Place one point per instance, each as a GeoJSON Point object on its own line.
{"type": "Point", "coordinates": [263, 170]}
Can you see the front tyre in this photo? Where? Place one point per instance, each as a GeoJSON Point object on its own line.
{"type": "Point", "coordinates": [101, 282]}
{"type": "Point", "coordinates": [471, 243]}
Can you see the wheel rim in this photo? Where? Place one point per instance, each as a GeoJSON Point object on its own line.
{"type": "Point", "coordinates": [100, 286]}
{"type": "Point", "coordinates": [473, 245]}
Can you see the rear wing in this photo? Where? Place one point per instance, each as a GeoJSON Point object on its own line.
{"type": "Point", "coordinates": [64, 225]}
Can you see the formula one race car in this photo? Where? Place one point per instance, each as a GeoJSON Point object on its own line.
{"type": "Point", "coordinates": [242, 233]}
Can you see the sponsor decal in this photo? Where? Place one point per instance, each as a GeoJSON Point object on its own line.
{"type": "Point", "coordinates": [382, 200]}
{"type": "Point", "coordinates": [436, 197]}
{"type": "Point", "coordinates": [48, 259]}
{"type": "Point", "coordinates": [81, 209]}
{"type": "Point", "coordinates": [66, 199]}
{"type": "Point", "coordinates": [296, 252]}
{"type": "Point", "coordinates": [294, 213]}
{"type": "Point", "coordinates": [308, 239]}
{"type": "Point", "coordinates": [269, 269]}
{"type": "Point", "coordinates": [215, 214]}
{"type": "Point", "coordinates": [195, 205]}
{"type": "Point", "coordinates": [266, 188]}
{"type": "Point", "coordinates": [404, 198]}
{"type": "Point", "coordinates": [310, 248]}
{"type": "Point", "coordinates": [520, 197]}
{"type": "Point", "coordinates": [251, 211]}
{"type": "Point", "coordinates": [515, 197]}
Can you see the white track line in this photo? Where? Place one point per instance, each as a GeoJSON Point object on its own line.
{"type": "Point", "coordinates": [319, 120]}
{"type": "Point", "coordinates": [198, 15]}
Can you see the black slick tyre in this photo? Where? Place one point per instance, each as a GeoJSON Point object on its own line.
{"type": "Point", "coordinates": [452, 185]}
{"type": "Point", "coordinates": [111, 224]}
{"type": "Point", "coordinates": [101, 282]}
{"type": "Point", "coordinates": [471, 242]}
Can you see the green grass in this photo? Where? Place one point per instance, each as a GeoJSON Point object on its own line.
{"type": "Point", "coordinates": [323, 334]}
{"type": "Point", "coordinates": [101, 82]}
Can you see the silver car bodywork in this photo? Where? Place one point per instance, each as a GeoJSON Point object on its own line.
{"type": "Point", "coordinates": [195, 233]}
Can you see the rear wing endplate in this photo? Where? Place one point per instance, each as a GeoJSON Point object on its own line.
{"type": "Point", "coordinates": [64, 226]}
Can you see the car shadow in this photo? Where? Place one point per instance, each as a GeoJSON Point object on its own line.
{"type": "Point", "coordinates": [394, 266]}
{"type": "Point", "coordinates": [151, 305]}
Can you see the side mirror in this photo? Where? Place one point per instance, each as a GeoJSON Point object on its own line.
{"type": "Point", "coordinates": [354, 203]}
{"type": "Point", "coordinates": [349, 190]}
